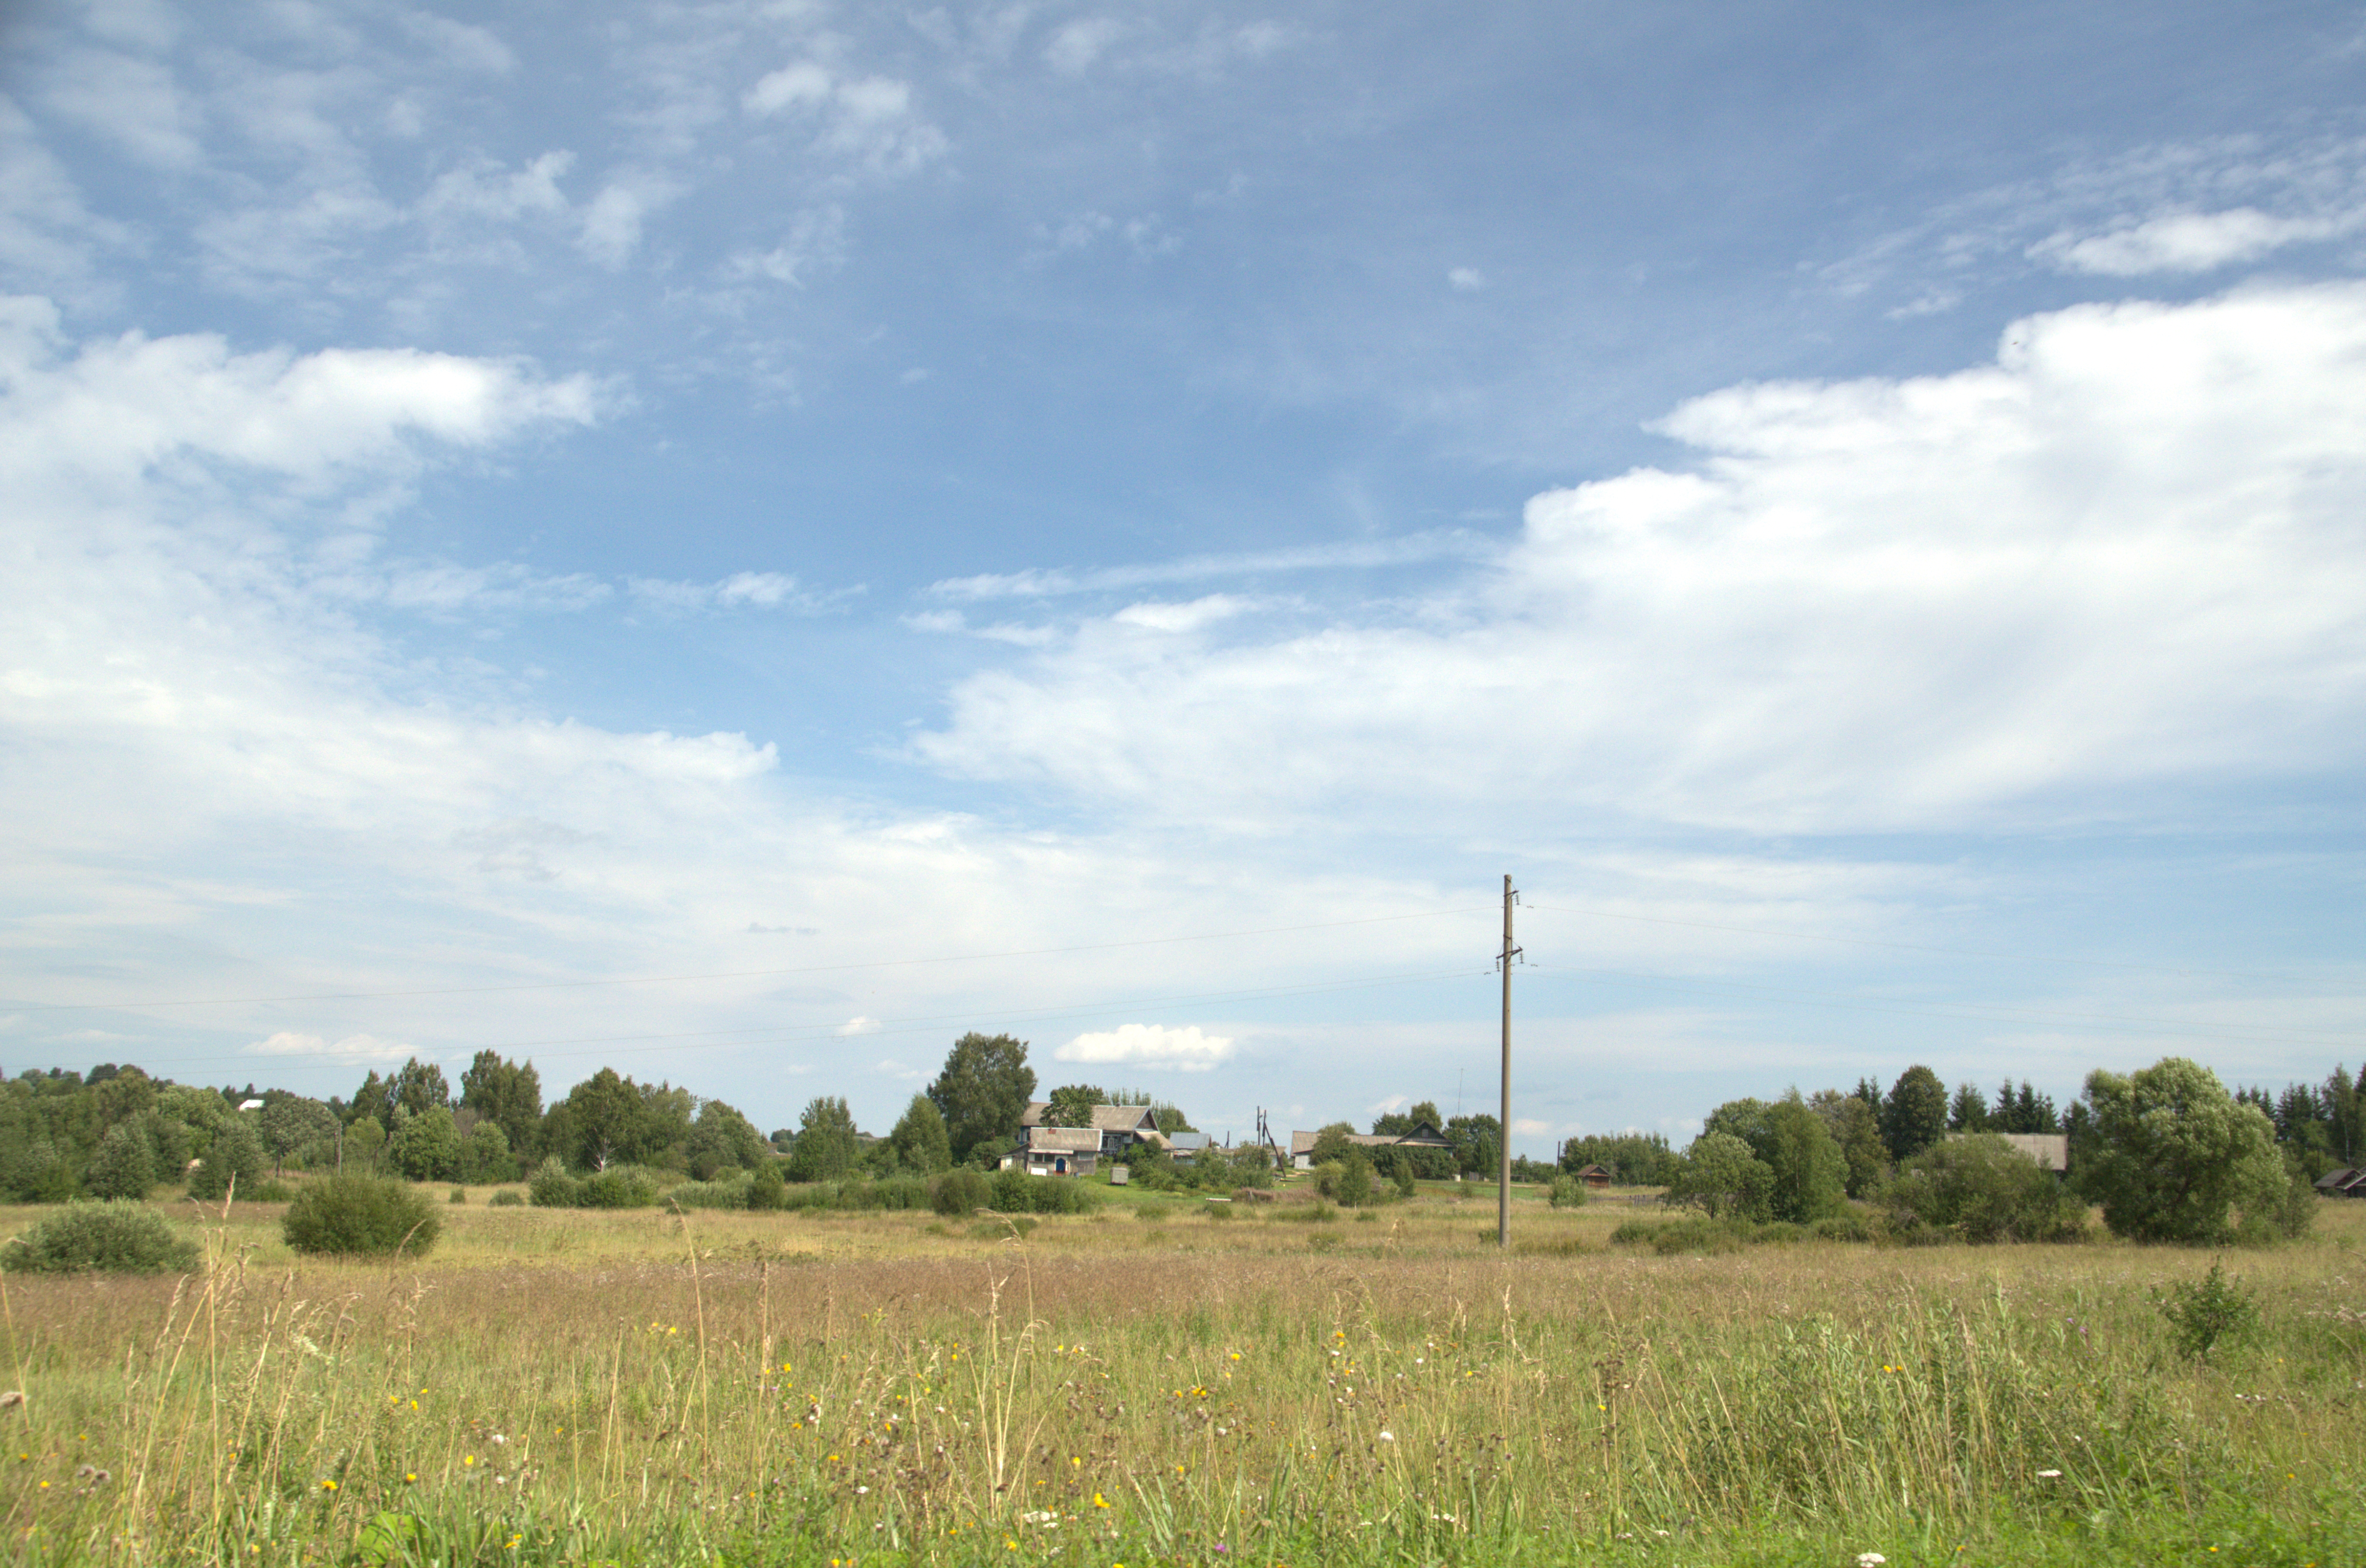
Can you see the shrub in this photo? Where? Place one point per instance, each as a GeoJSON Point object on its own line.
{"type": "Point", "coordinates": [125, 1165]}
{"type": "Point", "coordinates": [766, 1191]}
{"type": "Point", "coordinates": [960, 1192]}
{"type": "Point", "coordinates": [507, 1198]}
{"type": "Point", "coordinates": [458, 1196]}
{"type": "Point", "coordinates": [2204, 1312]}
{"type": "Point", "coordinates": [2171, 1153]}
{"type": "Point", "coordinates": [270, 1189]}
{"type": "Point", "coordinates": [1843, 1227]}
{"type": "Point", "coordinates": [726, 1192]}
{"type": "Point", "coordinates": [365, 1215]}
{"type": "Point", "coordinates": [1012, 1195]}
{"type": "Point", "coordinates": [1566, 1193]}
{"type": "Point", "coordinates": [618, 1187]}
{"type": "Point", "coordinates": [552, 1187]}
{"type": "Point", "coordinates": [118, 1236]}
{"type": "Point", "coordinates": [1982, 1189]}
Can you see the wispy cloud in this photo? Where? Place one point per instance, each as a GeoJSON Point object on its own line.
{"type": "Point", "coordinates": [1054, 582]}
{"type": "Point", "coordinates": [741, 590]}
{"type": "Point", "coordinates": [1155, 1047]}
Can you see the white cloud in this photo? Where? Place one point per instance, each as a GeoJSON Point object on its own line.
{"type": "Point", "coordinates": [1191, 617]}
{"type": "Point", "coordinates": [1075, 46]}
{"type": "Point", "coordinates": [2111, 564]}
{"type": "Point", "coordinates": [1155, 1047]}
{"type": "Point", "coordinates": [755, 590]}
{"type": "Point", "coordinates": [483, 188]}
{"type": "Point", "coordinates": [857, 1026]}
{"type": "Point", "coordinates": [355, 1049]}
{"type": "Point", "coordinates": [1041, 583]}
{"type": "Point", "coordinates": [801, 85]}
{"type": "Point", "coordinates": [466, 46]}
{"type": "Point", "coordinates": [1467, 280]}
{"type": "Point", "coordinates": [2187, 242]}
{"type": "Point", "coordinates": [611, 225]}
{"type": "Point", "coordinates": [135, 103]}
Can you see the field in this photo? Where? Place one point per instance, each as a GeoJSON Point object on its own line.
{"type": "Point", "coordinates": [1175, 1380]}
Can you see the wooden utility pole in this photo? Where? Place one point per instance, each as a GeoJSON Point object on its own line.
{"type": "Point", "coordinates": [1504, 1129]}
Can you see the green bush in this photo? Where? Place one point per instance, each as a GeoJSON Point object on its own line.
{"type": "Point", "coordinates": [766, 1190]}
{"type": "Point", "coordinates": [118, 1236]}
{"type": "Point", "coordinates": [552, 1188]}
{"type": "Point", "coordinates": [234, 1161]}
{"type": "Point", "coordinates": [961, 1192]}
{"type": "Point", "coordinates": [458, 1196]}
{"type": "Point", "coordinates": [2202, 1313]}
{"type": "Point", "coordinates": [507, 1198]}
{"type": "Point", "coordinates": [1011, 1194]}
{"type": "Point", "coordinates": [728, 1191]}
{"type": "Point", "coordinates": [1566, 1193]}
{"type": "Point", "coordinates": [1981, 1188]}
{"type": "Point", "coordinates": [1843, 1227]}
{"type": "Point", "coordinates": [618, 1187]}
{"type": "Point", "coordinates": [363, 1215]}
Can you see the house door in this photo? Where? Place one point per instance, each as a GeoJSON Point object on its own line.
{"type": "Point", "coordinates": [1060, 1167]}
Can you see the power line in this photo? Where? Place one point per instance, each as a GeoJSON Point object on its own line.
{"type": "Point", "coordinates": [729, 974]}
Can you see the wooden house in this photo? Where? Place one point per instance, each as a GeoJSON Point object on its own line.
{"type": "Point", "coordinates": [1593, 1176]}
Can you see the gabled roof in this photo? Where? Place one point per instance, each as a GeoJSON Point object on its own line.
{"type": "Point", "coordinates": [1302, 1143]}
{"type": "Point", "coordinates": [1063, 1140]}
{"type": "Point", "coordinates": [2334, 1181]}
{"type": "Point", "coordinates": [1106, 1118]}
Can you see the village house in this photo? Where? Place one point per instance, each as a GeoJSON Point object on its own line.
{"type": "Point", "coordinates": [1424, 1136]}
{"type": "Point", "coordinates": [1045, 1150]}
{"type": "Point", "coordinates": [2345, 1183]}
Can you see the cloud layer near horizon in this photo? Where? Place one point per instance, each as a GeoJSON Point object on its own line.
{"type": "Point", "coordinates": [2120, 563]}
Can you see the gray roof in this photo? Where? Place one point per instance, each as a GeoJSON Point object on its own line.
{"type": "Point", "coordinates": [1106, 1118]}
{"type": "Point", "coordinates": [1063, 1140]}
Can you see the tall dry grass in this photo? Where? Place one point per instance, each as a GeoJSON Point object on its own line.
{"type": "Point", "coordinates": [635, 1387]}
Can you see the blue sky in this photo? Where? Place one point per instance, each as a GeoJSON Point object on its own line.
{"type": "Point", "coordinates": [741, 541]}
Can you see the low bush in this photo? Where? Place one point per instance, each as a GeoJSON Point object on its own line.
{"type": "Point", "coordinates": [507, 1198]}
{"type": "Point", "coordinates": [360, 1216]}
{"type": "Point", "coordinates": [766, 1190]}
{"type": "Point", "coordinates": [1842, 1227]}
{"type": "Point", "coordinates": [1566, 1193]}
{"type": "Point", "coordinates": [2210, 1311]}
{"type": "Point", "coordinates": [961, 1192]}
{"type": "Point", "coordinates": [618, 1187]}
{"type": "Point", "coordinates": [726, 1191]}
{"type": "Point", "coordinates": [116, 1237]}
{"type": "Point", "coordinates": [551, 1187]}
{"type": "Point", "coordinates": [458, 1195]}
{"type": "Point", "coordinates": [1981, 1188]}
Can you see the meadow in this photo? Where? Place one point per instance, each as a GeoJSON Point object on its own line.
{"type": "Point", "coordinates": [1175, 1380]}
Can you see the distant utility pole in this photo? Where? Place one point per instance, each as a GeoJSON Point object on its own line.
{"type": "Point", "coordinates": [1504, 1129]}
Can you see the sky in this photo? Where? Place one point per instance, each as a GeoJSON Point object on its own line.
{"type": "Point", "coordinates": [742, 540]}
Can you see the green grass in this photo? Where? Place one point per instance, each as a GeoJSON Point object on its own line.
{"type": "Point", "coordinates": [894, 1387]}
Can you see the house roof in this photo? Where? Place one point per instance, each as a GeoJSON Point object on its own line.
{"type": "Point", "coordinates": [1188, 1140]}
{"type": "Point", "coordinates": [1302, 1143]}
{"type": "Point", "coordinates": [2334, 1181]}
{"type": "Point", "coordinates": [1423, 1135]}
{"type": "Point", "coordinates": [1063, 1140]}
{"type": "Point", "coordinates": [1106, 1118]}
{"type": "Point", "coordinates": [2051, 1150]}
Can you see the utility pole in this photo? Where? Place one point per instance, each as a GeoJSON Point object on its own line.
{"type": "Point", "coordinates": [1503, 1128]}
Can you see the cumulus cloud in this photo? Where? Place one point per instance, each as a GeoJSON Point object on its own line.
{"type": "Point", "coordinates": [868, 118]}
{"type": "Point", "coordinates": [2110, 563]}
{"type": "Point", "coordinates": [1152, 1046]}
{"type": "Point", "coordinates": [2187, 242]}
{"type": "Point", "coordinates": [857, 1026]}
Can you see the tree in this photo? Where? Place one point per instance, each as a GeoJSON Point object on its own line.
{"type": "Point", "coordinates": [1071, 1104]}
{"type": "Point", "coordinates": [125, 1165]}
{"type": "Point", "coordinates": [1806, 1171]}
{"type": "Point", "coordinates": [1915, 1116]}
{"type": "Point", "coordinates": [1719, 1176]}
{"type": "Point", "coordinates": [501, 1090]}
{"type": "Point", "coordinates": [2172, 1154]}
{"type": "Point", "coordinates": [235, 1156]}
{"type": "Point", "coordinates": [722, 1138]}
{"type": "Point", "coordinates": [288, 1122]}
{"type": "Point", "coordinates": [827, 1145]}
{"type": "Point", "coordinates": [420, 1087]}
{"type": "Point", "coordinates": [1477, 1140]}
{"type": "Point", "coordinates": [1170, 1118]}
{"type": "Point", "coordinates": [1968, 1112]}
{"type": "Point", "coordinates": [1330, 1143]}
{"type": "Point", "coordinates": [1855, 1127]}
{"type": "Point", "coordinates": [488, 1157]}
{"type": "Point", "coordinates": [982, 1091]}
{"type": "Point", "coordinates": [604, 1122]}
{"type": "Point", "coordinates": [427, 1147]}
{"type": "Point", "coordinates": [365, 1145]}
{"type": "Point", "coordinates": [920, 1139]}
